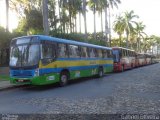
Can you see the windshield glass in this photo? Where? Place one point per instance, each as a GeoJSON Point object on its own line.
{"type": "Point", "coordinates": [24, 55]}
{"type": "Point", "coordinates": [116, 56]}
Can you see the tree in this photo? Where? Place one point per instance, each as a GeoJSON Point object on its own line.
{"type": "Point", "coordinates": [93, 5]}
{"type": "Point", "coordinates": [45, 17]}
{"type": "Point", "coordinates": [20, 6]}
{"type": "Point", "coordinates": [80, 11]}
{"type": "Point", "coordinates": [77, 8]}
{"type": "Point", "coordinates": [5, 38]}
{"type": "Point", "coordinates": [139, 30]}
{"type": "Point", "coordinates": [32, 23]}
{"type": "Point", "coordinates": [112, 3]}
{"type": "Point", "coordinates": [100, 7]}
{"type": "Point", "coordinates": [7, 14]}
{"type": "Point", "coordinates": [84, 16]}
{"type": "Point", "coordinates": [128, 24]}
{"type": "Point", "coordinates": [154, 41]}
{"type": "Point", "coordinates": [53, 18]}
{"type": "Point", "coordinates": [118, 27]}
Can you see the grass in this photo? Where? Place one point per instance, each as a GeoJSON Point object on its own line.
{"type": "Point", "coordinates": [4, 77]}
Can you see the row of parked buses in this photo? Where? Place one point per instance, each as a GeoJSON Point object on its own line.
{"type": "Point", "coordinates": [128, 59]}
{"type": "Point", "coordinates": [40, 60]}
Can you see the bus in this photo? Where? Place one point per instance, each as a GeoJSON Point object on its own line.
{"type": "Point", "coordinates": [147, 59]}
{"type": "Point", "coordinates": [123, 58]}
{"type": "Point", "coordinates": [40, 60]}
{"type": "Point", "coordinates": [140, 59]}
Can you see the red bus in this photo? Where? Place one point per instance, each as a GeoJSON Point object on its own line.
{"type": "Point", "coordinates": [147, 59]}
{"type": "Point", "coordinates": [123, 58]}
{"type": "Point", "coordinates": [140, 59]}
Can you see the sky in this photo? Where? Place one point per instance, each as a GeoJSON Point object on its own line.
{"type": "Point", "coordinates": [147, 10]}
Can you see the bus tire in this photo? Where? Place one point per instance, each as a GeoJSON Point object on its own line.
{"type": "Point", "coordinates": [63, 79]}
{"type": "Point", "coordinates": [122, 68]}
{"type": "Point", "coordinates": [100, 72]}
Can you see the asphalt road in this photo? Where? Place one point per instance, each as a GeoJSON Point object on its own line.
{"type": "Point", "coordinates": [133, 91]}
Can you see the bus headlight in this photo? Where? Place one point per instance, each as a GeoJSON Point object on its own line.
{"type": "Point", "coordinates": [36, 73]}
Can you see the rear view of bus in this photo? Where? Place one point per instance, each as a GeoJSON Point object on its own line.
{"type": "Point", "coordinates": [24, 59]}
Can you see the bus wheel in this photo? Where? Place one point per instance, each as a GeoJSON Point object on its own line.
{"type": "Point", "coordinates": [122, 68]}
{"type": "Point", "coordinates": [100, 72]}
{"type": "Point", "coordinates": [63, 79]}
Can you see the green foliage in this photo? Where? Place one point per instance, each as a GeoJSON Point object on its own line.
{"type": "Point", "coordinates": [5, 38]}
{"type": "Point", "coordinates": [32, 23]}
{"type": "Point", "coordinates": [4, 78]}
{"type": "Point", "coordinates": [79, 37]}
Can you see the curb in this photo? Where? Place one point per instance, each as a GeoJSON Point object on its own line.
{"type": "Point", "coordinates": [10, 87]}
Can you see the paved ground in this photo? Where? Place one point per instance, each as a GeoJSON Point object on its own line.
{"type": "Point", "coordinates": [133, 91]}
{"type": "Point", "coordinates": [5, 84]}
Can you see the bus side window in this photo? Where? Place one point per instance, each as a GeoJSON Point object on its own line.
{"type": "Point", "coordinates": [48, 51]}
{"type": "Point", "coordinates": [122, 53]}
{"type": "Point", "coordinates": [125, 51]}
{"type": "Point", "coordinates": [84, 52]}
{"type": "Point", "coordinates": [95, 52]}
{"type": "Point", "coordinates": [62, 50]}
{"type": "Point", "coordinates": [105, 55]}
{"type": "Point", "coordinates": [128, 53]}
{"type": "Point", "coordinates": [92, 53]}
{"type": "Point", "coordinates": [74, 51]}
{"type": "Point", "coordinates": [109, 53]}
{"type": "Point", "coordinates": [99, 52]}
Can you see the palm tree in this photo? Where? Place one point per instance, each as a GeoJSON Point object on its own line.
{"type": "Point", "coordinates": [84, 15]}
{"type": "Point", "coordinates": [64, 19]}
{"type": "Point", "coordinates": [140, 34]}
{"type": "Point", "coordinates": [93, 4]}
{"type": "Point", "coordinates": [100, 8]}
{"type": "Point", "coordinates": [45, 17]}
{"type": "Point", "coordinates": [118, 27]}
{"type": "Point", "coordinates": [112, 3]}
{"type": "Point", "coordinates": [80, 11]}
{"type": "Point", "coordinates": [53, 19]}
{"type": "Point", "coordinates": [146, 45]}
{"type": "Point", "coordinates": [154, 41]}
{"type": "Point", "coordinates": [76, 8]}
{"type": "Point", "coordinates": [59, 11]}
{"type": "Point", "coordinates": [128, 24]}
{"type": "Point", "coordinates": [7, 14]}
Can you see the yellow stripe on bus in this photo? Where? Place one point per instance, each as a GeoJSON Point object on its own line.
{"type": "Point", "coordinates": [59, 64]}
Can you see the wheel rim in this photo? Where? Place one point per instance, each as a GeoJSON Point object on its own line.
{"type": "Point", "coordinates": [122, 68]}
{"type": "Point", "coordinates": [63, 79]}
{"type": "Point", "coordinates": [100, 73]}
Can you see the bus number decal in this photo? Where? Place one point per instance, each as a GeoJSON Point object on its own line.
{"type": "Point", "coordinates": [77, 74]}
{"type": "Point", "coordinates": [50, 78]}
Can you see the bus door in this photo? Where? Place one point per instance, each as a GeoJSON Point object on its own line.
{"type": "Point", "coordinates": [116, 56]}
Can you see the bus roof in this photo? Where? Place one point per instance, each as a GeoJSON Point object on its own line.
{"type": "Point", "coordinates": [122, 48]}
{"type": "Point", "coordinates": [49, 38]}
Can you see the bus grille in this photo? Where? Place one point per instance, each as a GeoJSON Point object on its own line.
{"type": "Point", "coordinates": [22, 73]}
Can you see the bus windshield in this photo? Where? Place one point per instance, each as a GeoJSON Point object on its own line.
{"type": "Point", "coordinates": [116, 56]}
{"type": "Point", "coordinates": [24, 55]}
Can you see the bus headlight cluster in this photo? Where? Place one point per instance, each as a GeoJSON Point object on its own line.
{"type": "Point", "coordinates": [36, 73]}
